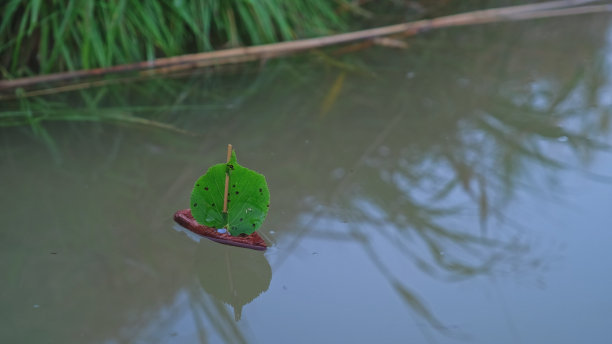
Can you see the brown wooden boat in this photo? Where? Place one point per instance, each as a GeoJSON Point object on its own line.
{"type": "Point", "coordinates": [252, 241]}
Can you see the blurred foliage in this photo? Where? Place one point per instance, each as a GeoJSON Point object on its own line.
{"type": "Point", "coordinates": [39, 37]}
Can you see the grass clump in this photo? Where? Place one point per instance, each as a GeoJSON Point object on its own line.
{"type": "Point", "coordinates": [39, 37]}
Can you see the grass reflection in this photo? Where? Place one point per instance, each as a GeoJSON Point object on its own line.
{"type": "Point", "coordinates": [453, 144]}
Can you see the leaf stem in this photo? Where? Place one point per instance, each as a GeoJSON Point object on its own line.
{"type": "Point", "coordinates": [229, 156]}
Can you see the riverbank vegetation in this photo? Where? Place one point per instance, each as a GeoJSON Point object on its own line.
{"type": "Point", "coordinates": [39, 37]}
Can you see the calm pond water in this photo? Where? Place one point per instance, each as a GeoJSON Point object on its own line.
{"type": "Point", "coordinates": [458, 191]}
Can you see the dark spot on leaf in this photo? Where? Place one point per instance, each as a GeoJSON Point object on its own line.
{"type": "Point", "coordinates": [241, 219]}
{"type": "Point", "coordinates": [213, 204]}
{"type": "Point", "coordinates": [197, 184]}
{"type": "Point", "coordinates": [237, 192]}
{"type": "Point", "coordinates": [268, 206]}
{"type": "Point", "coordinates": [231, 166]}
{"type": "Point", "coordinates": [195, 204]}
{"type": "Point", "coordinates": [206, 188]}
{"type": "Point", "coordinates": [234, 185]}
{"type": "Point", "coordinates": [260, 190]}
{"type": "Point", "coordinates": [243, 234]}
{"type": "Point", "coordinates": [253, 225]}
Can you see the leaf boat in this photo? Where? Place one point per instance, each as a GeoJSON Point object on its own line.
{"type": "Point", "coordinates": [211, 208]}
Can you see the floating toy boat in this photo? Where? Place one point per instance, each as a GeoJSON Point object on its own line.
{"type": "Point", "coordinates": [212, 216]}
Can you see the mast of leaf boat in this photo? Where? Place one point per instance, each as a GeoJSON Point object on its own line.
{"type": "Point", "coordinates": [225, 193]}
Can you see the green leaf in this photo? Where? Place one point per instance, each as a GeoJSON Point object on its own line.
{"type": "Point", "coordinates": [207, 197]}
{"type": "Point", "coordinates": [248, 198]}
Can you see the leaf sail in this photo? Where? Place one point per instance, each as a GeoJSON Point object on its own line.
{"type": "Point", "coordinates": [207, 198]}
{"type": "Point", "coordinates": [248, 199]}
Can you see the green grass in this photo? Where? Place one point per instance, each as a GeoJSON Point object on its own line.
{"type": "Point", "coordinates": [38, 37]}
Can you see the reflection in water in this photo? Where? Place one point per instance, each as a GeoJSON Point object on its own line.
{"type": "Point", "coordinates": [433, 177]}
{"type": "Point", "coordinates": [235, 276]}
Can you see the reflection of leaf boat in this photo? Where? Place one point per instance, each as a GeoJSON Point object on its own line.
{"type": "Point", "coordinates": [252, 241]}
{"type": "Point", "coordinates": [233, 276]}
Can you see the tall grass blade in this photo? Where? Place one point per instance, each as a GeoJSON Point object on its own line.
{"type": "Point", "coordinates": [53, 36]}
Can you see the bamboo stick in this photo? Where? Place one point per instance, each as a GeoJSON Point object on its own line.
{"type": "Point", "coordinates": [242, 54]}
{"type": "Point", "coordinates": [227, 177]}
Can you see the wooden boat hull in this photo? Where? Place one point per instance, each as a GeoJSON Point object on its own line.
{"type": "Point", "coordinates": [253, 241]}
